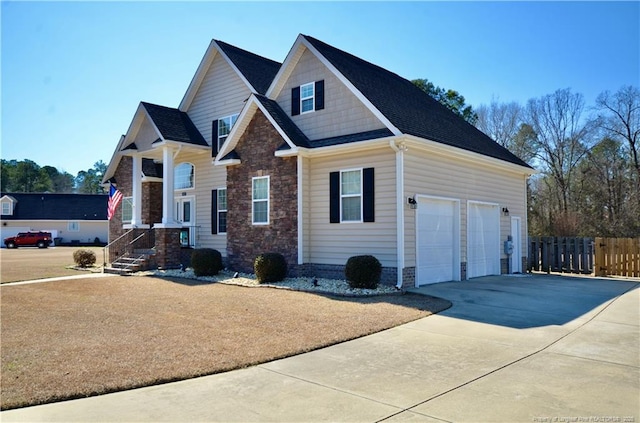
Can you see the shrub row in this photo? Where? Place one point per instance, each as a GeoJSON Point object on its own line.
{"type": "Point", "coordinates": [360, 271]}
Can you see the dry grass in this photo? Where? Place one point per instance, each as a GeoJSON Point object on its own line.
{"type": "Point", "coordinates": [82, 337]}
{"type": "Point", "coordinates": [28, 263]}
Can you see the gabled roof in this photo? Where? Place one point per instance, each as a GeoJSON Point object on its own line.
{"type": "Point", "coordinates": [282, 119]}
{"type": "Point", "coordinates": [45, 206]}
{"type": "Point", "coordinates": [408, 108]}
{"type": "Point", "coordinates": [256, 72]}
{"type": "Point", "coordinates": [174, 125]}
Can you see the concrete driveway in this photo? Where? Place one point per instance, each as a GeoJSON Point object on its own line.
{"type": "Point", "coordinates": [511, 349]}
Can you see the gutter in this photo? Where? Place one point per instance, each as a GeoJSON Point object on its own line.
{"type": "Point", "coordinates": [399, 149]}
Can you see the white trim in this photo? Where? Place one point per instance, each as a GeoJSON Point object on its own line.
{"type": "Point", "coordinates": [233, 123]}
{"type": "Point", "coordinates": [247, 113]}
{"type": "Point", "coordinates": [254, 201]}
{"type": "Point", "coordinates": [312, 98]}
{"type": "Point", "coordinates": [462, 154]}
{"type": "Point", "coordinates": [291, 61]}
{"type": "Point", "coordinates": [400, 248]}
{"type": "Point", "coordinates": [198, 77]}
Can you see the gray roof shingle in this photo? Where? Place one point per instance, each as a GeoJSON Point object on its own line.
{"type": "Point", "coordinates": [38, 206]}
{"type": "Point", "coordinates": [410, 109]}
{"type": "Point", "coordinates": [258, 70]}
{"type": "Point", "coordinates": [174, 124]}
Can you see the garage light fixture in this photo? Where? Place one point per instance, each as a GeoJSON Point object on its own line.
{"type": "Point", "coordinates": [505, 211]}
{"type": "Point", "coordinates": [413, 204]}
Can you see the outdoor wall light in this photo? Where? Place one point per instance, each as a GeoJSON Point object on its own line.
{"type": "Point", "coordinates": [505, 211]}
{"type": "Point", "coordinates": [412, 202]}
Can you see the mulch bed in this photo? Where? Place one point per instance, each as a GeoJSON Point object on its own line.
{"type": "Point", "coordinates": [76, 338]}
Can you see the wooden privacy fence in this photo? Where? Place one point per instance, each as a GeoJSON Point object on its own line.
{"type": "Point", "coordinates": [561, 254]}
{"type": "Point", "coordinates": [617, 256]}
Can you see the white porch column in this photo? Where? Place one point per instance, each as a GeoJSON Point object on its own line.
{"type": "Point", "coordinates": [136, 191]}
{"type": "Point", "coordinates": [168, 217]}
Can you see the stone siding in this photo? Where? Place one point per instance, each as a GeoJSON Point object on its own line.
{"type": "Point", "coordinates": [245, 241]}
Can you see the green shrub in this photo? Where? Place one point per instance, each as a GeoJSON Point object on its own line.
{"type": "Point", "coordinates": [206, 261]}
{"type": "Point", "coordinates": [270, 267]}
{"type": "Point", "coordinates": [363, 272]}
{"type": "Point", "coordinates": [84, 258]}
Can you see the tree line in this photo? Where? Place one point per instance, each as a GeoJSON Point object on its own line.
{"type": "Point", "coordinates": [588, 156]}
{"type": "Point", "coordinates": [27, 176]}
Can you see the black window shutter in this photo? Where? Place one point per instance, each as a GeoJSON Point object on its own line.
{"type": "Point", "coordinates": [214, 138]}
{"type": "Point", "coordinates": [319, 95]}
{"type": "Point", "coordinates": [368, 195]}
{"type": "Point", "coordinates": [295, 101]}
{"type": "Point", "coordinates": [214, 211]}
{"type": "Point", "coordinates": [334, 197]}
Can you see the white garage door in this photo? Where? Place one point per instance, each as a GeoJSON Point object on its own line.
{"type": "Point", "coordinates": [483, 240]}
{"type": "Point", "coordinates": [437, 233]}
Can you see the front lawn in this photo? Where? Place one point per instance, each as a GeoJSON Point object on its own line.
{"type": "Point", "coordinates": [75, 338]}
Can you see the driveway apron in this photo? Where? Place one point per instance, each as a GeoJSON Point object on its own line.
{"type": "Point", "coordinates": [510, 349]}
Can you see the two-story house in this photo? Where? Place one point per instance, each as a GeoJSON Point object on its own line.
{"type": "Point", "coordinates": [320, 158]}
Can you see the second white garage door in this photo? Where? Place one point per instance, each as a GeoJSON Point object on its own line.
{"type": "Point", "coordinates": [483, 239]}
{"type": "Point", "coordinates": [438, 245]}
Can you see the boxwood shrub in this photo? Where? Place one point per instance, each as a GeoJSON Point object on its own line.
{"type": "Point", "coordinates": [270, 267]}
{"type": "Point", "coordinates": [363, 272]}
{"type": "Point", "coordinates": [206, 261]}
{"type": "Point", "coordinates": [84, 258]}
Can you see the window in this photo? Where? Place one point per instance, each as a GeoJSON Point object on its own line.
{"type": "Point", "coordinates": [351, 196]}
{"type": "Point", "coordinates": [307, 98]}
{"type": "Point", "coordinates": [127, 209]}
{"type": "Point", "coordinates": [73, 226]}
{"type": "Point", "coordinates": [260, 200]}
{"type": "Point", "coordinates": [224, 127]}
{"type": "Point", "coordinates": [6, 209]}
{"type": "Point", "coordinates": [222, 210]}
{"type": "Point", "coordinates": [183, 176]}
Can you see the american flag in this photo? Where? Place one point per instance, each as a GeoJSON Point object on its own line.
{"type": "Point", "coordinates": [115, 197]}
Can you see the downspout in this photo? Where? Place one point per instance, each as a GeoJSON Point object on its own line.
{"type": "Point", "coordinates": [399, 149]}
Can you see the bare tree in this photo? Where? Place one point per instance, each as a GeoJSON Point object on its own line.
{"type": "Point", "coordinates": [500, 121]}
{"type": "Point", "coordinates": [620, 117]}
{"type": "Point", "coordinates": [561, 139]}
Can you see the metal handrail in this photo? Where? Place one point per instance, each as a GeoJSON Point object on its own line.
{"type": "Point", "coordinates": [127, 246]}
{"type": "Point", "coordinates": [104, 249]}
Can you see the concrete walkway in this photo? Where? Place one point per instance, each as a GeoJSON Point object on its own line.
{"type": "Point", "coordinates": [511, 349]}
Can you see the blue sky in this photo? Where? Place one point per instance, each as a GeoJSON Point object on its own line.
{"type": "Point", "coordinates": [73, 73]}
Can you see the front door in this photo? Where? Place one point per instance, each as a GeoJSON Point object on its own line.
{"type": "Point", "coordinates": [185, 214]}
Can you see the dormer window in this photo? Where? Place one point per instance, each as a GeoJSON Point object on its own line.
{"type": "Point", "coordinates": [7, 205]}
{"type": "Point", "coordinates": [307, 98]}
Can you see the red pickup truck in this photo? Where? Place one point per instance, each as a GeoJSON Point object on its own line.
{"type": "Point", "coordinates": [29, 239]}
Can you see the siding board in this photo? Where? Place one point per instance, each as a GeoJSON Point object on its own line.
{"type": "Point", "coordinates": [343, 113]}
{"type": "Point", "coordinates": [377, 238]}
{"type": "Point", "coordinates": [439, 175]}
